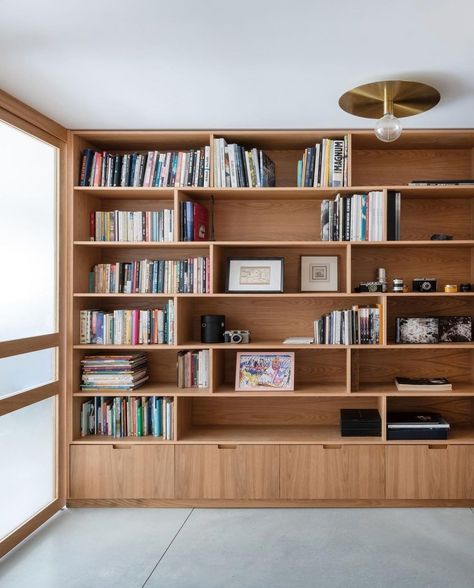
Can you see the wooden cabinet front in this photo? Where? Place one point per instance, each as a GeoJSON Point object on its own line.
{"type": "Point", "coordinates": [430, 471]}
{"type": "Point", "coordinates": [227, 471]}
{"type": "Point", "coordinates": [332, 472]}
{"type": "Point", "coordinates": [122, 471]}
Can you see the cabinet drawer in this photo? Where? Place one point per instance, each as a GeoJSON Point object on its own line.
{"type": "Point", "coordinates": [430, 471]}
{"type": "Point", "coordinates": [122, 471]}
{"type": "Point", "coordinates": [332, 471]}
{"type": "Point", "coordinates": [227, 471]}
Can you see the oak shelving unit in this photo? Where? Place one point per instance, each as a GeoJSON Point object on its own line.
{"type": "Point", "coordinates": [246, 448]}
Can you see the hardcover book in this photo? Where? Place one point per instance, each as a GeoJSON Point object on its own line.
{"type": "Point", "coordinates": [423, 384]}
{"type": "Point", "coordinates": [417, 330]}
{"type": "Point", "coordinates": [455, 329]}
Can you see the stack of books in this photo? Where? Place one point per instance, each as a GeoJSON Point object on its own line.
{"type": "Point", "coordinates": [149, 276]}
{"type": "Point", "coordinates": [193, 369]}
{"type": "Point", "coordinates": [132, 226]}
{"type": "Point", "coordinates": [114, 372]}
{"type": "Point", "coordinates": [149, 169]}
{"type": "Point", "coordinates": [128, 327]}
{"type": "Point", "coordinates": [127, 417]}
{"type": "Point", "coordinates": [423, 384]}
{"type": "Point", "coordinates": [357, 217]}
{"type": "Point", "coordinates": [416, 425]}
{"type": "Point", "coordinates": [360, 325]}
{"type": "Point", "coordinates": [324, 165]}
{"type": "Point", "coordinates": [194, 222]}
{"type": "Point", "coordinates": [236, 167]}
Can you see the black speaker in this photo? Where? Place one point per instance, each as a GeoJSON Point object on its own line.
{"type": "Point", "coordinates": [212, 328]}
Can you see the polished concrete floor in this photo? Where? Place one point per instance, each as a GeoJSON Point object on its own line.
{"type": "Point", "coordinates": [243, 548]}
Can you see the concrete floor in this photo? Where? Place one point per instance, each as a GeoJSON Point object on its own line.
{"type": "Point", "coordinates": [240, 548]}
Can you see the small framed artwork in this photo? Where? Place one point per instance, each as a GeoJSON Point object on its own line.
{"type": "Point", "coordinates": [264, 274]}
{"type": "Point", "coordinates": [319, 273]}
{"type": "Point", "coordinates": [265, 371]}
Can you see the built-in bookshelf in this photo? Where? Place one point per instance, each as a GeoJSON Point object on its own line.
{"type": "Point", "coordinates": [282, 447]}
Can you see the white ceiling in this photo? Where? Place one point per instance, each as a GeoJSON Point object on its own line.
{"type": "Point", "coordinates": [241, 64]}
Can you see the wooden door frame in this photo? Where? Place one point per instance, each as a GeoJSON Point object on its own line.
{"type": "Point", "coordinates": [26, 119]}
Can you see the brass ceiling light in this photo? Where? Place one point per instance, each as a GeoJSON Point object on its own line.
{"type": "Point", "coordinates": [388, 101]}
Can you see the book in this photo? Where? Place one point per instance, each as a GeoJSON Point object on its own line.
{"type": "Point", "coordinates": [132, 226]}
{"type": "Point", "coordinates": [324, 165]}
{"type": "Point", "coordinates": [237, 167]}
{"type": "Point", "coordinates": [359, 325]}
{"type": "Point", "coordinates": [443, 329]}
{"type": "Point", "coordinates": [299, 340]}
{"type": "Point", "coordinates": [423, 384]}
{"type": "Point", "coordinates": [193, 369]}
{"type": "Point", "coordinates": [460, 182]}
{"type": "Point", "coordinates": [109, 372]}
{"type": "Point", "coordinates": [194, 221]}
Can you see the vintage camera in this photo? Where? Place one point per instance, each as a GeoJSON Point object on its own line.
{"type": "Point", "coordinates": [424, 285]}
{"type": "Point", "coordinates": [237, 336]}
{"type": "Point", "coordinates": [369, 287]}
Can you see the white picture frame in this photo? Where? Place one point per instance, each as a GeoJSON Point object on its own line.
{"type": "Point", "coordinates": [255, 275]}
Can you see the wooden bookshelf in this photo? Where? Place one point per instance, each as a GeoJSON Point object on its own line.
{"type": "Point", "coordinates": [285, 448]}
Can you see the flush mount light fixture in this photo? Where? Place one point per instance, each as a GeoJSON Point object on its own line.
{"type": "Point", "coordinates": [388, 101]}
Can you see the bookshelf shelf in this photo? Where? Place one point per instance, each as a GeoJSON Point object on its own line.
{"type": "Point", "coordinates": [218, 431]}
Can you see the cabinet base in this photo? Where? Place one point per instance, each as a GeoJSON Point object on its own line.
{"type": "Point", "coordinates": [163, 503]}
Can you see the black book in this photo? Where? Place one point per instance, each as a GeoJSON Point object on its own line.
{"type": "Point", "coordinates": [416, 425]}
{"type": "Point", "coordinates": [441, 182]}
{"type": "Point", "coordinates": [360, 422]}
{"type": "Point", "coordinates": [393, 216]}
{"type": "Point", "coordinates": [423, 384]}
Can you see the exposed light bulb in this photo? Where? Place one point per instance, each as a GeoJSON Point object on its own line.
{"type": "Point", "coordinates": [388, 128]}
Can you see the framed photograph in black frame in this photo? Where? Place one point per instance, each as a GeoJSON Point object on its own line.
{"type": "Point", "coordinates": [254, 275]}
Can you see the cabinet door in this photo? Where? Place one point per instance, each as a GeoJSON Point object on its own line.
{"type": "Point", "coordinates": [332, 471]}
{"type": "Point", "coordinates": [122, 471]}
{"type": "Point", "coordinates": [417, 471]}
{"type": "Point", "coordinates": [227, 471]}
{"type": "Point", "coordinates": [461, 471]}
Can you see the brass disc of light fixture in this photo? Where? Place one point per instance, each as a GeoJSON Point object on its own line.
{"type": "Point", "coordinates": [407, 98]}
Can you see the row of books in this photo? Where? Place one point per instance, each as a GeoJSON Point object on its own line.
{"type": "Point", "coordinates": [236, 167]}
{"type": "Point", "coordinates": [113, 372]}
{"type": "Point", "coordinates": [149, 169]}
{"type": "Point", "coordinates": [132, 226]}
{"type": "Point", "coordinates": [148, 276]}
{"type": "Point", "coordinates": [128, 327]}
{"type": "Point", "coordinates": [194, 221]}
{"type": "Point", "coordinates": [127, 417]}
{"type": "Point", "coordinates": [357, 325]}
{"type": "Point", "coordinates": [324, 165]}
{"type": "Point", "coordinates": [356, 217]}
{"type": "Point", "coordinates": [193, 369]}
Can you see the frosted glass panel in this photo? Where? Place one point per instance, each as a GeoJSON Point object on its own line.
{"type": "Point", "coordinates": [28, 178]}
{"type": "Point", "coordinates": [27, 463]}
{"type": "Point", "coordinates": [20, 373]}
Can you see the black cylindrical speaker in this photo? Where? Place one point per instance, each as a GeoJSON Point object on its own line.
{"type": "Point", "coordinates": [212, 328]}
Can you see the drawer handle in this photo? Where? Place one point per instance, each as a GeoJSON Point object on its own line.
{"type": "Point", "coordinates": [220, 446]}
{"type": "Point", "coordinates": [332, 446]}
{"type": "Point", "coordinates": [120, 446]}
{"type": "Point", "coordinates": [437, 446]}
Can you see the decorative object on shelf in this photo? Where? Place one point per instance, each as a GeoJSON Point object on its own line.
{"type": "Point", "coordinates": [387, 101]}
{"type": "Point", "coordinates": [319, 273]}
{"type": "Point", "coordinates": [443, 329]}
{"type": "Point", "coordinates": [398, 285]}
{"type": "Point", "coordinates": [235, 336]}
{"type": "Point", "coordinates": [299, 340]}
{"type": "Point", "coordinates": [465, 287]}
{"type": "Point", "coordinates": [378, 285]}
{"type": "Point", "coordinates": [212, 328]}
{"type": "Point", "coordinates": [382, 278]}
{"type": "Point", "coordinates": [441, 237]}
{"type": "Point", "coordinates": [451, 288]}
{"type": "Point", "coordinates": [255, 275]}
{"type": "Point", "coordinates": [265, 371]}
{"type": "Point", "coordinates": [423, 285]}
{"type": "Point", "coordinates": [360, 422]}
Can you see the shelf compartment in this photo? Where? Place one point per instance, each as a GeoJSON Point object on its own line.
{"type": "Point", "coordinates": [86, 257]}
{"type": "Point", "coordinates": [449, 265]}
{"type": "Point", "coordinates": [321, 372]}
{"type": "Point", "coordinates": [457, 410]}
{"type": "Point", "coordinates": [292, 264]}
{"type": "Point", "coordinates": [374, 372]}
{"type": "Point", "coordinates": [269, 319]}
{"type": "Point", "coordinates": [428, 306]}
{"type": "Point", "coordinates": [267, 420]}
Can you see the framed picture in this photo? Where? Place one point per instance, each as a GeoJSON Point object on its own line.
{"type": "Point", "coordinates": [265, 371]}
{"type": "Point", "coordinates": [263, 274]}
{"type": "Point", "coordinates": [319, 273]}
